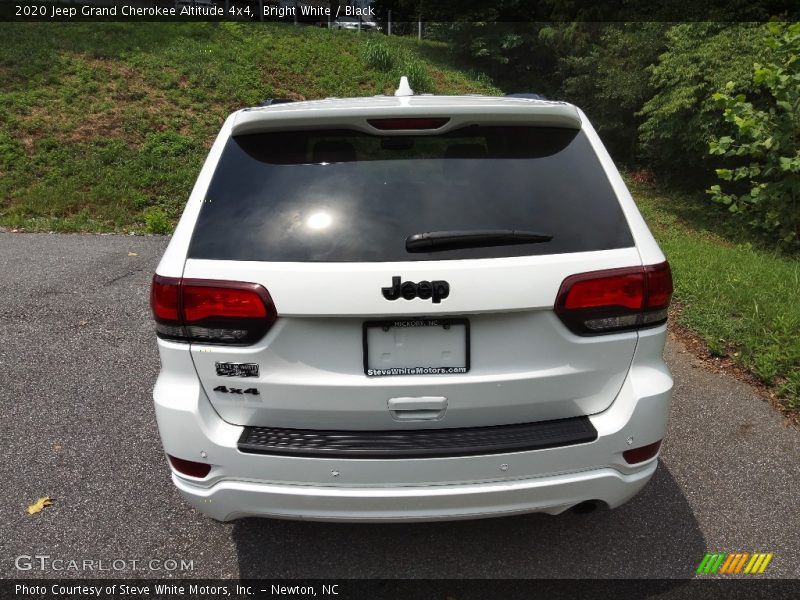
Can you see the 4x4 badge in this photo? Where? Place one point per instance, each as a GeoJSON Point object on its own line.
{"type": "Point", "coordinates": [229, 390]}
{"type": "Point", "coordinates": [436, 290]}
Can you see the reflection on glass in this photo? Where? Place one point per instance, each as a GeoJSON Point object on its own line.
{"type": "Point", "coordinates": [319, 220]}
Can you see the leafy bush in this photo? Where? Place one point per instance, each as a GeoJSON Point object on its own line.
{"type": "Point", "coordinates": [763, 155]}
{"type": "Point", "coordinates": [680, 116]}
{"type": "Point", "coordinates": [519, 56]}
{"type": "Point", "coordinates": [156, 220]}
{"type": "Point", "coordinates": [378, 55]}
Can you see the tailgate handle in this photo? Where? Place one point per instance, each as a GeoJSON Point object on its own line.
{"type": "Point", "coordinates": [420, 408]}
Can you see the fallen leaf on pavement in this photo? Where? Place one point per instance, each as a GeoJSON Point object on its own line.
{"type": "Point", "coordinates": [132, 254]}
{"type": "Point", "coordinates": [39, 505]}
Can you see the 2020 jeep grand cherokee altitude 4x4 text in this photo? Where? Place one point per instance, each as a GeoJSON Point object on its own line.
{"type": "Point", "coordinates": [409, 308]}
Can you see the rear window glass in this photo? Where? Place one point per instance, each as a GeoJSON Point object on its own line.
{"type": "Point", "coordinates": [344, 196]}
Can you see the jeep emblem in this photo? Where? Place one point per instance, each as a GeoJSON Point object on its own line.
{"type": "Point", "coordinates": [437, 290]}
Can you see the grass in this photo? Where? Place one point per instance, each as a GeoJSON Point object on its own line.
{"type": "Point", "coordinates": [743, 300]}
{"type": "Point", "coordinates": [103, 127]}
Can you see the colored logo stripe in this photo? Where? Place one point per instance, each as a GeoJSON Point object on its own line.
{"type": "Point", "coordinates": [734, 563]}
{"type": "Point", "coordinates": [711, 562]}
{"type": "Point", "coordinates": [758, 563]}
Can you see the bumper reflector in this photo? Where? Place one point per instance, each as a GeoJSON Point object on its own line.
{"type": "Point", "coordinates": [189, 467]}
{"type": "Point", "coordinates": [637, 455]}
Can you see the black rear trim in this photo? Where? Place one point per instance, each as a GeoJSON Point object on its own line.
{"type": "Point", "coordinates": [417, 443]}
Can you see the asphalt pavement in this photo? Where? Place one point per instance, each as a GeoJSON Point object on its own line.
{"type": "Point", "coordinates": [78, 361]}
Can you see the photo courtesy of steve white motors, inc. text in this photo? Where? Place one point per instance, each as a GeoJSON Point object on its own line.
{"type": "Point", "coordinates": [173, 589]}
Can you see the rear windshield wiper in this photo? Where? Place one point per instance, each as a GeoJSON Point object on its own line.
{"type": "Point", "coordinates": [434, 241]}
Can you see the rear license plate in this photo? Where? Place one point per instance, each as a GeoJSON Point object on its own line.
{"type": "Point", "coordinates": [416, 347]}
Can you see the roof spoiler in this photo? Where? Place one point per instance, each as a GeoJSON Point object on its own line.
{"type": "Point", "coordinates": [356, 113]}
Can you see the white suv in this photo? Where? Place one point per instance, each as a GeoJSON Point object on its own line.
{"type": "Point", "coordinates": [410, 308]}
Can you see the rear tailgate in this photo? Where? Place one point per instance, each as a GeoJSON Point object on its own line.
{"type": "Point", "coordinates": [319, 217]}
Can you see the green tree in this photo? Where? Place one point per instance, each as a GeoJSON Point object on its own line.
{"type": "Point", "coordinates": [522, 56]}
{"type": "Point", "coordinates": [681, 116]}
{"type": "Point", "coordinates": [610, 82]}
{"type": "Point", "coordinates": [762, 175]}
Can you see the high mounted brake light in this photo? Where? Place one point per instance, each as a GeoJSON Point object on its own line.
{"type": "Point", "coordinates": [615, 300]}
{"type": "Point", "coordinates": [408, 123]}
{"type": "Point", "coordinates": [209, 311]}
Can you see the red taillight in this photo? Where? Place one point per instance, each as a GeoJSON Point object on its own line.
{"type": "Point", "coordinates": [637, 455]}
{"type": "Point", "coordinates": [408, 123]}
{"type": "Point", "coordinates": [216, 312]}
{"type": "Point", "coordinates": [615, 299]}
{"type": "Point", "coordinates": [189, 467]}
{"type": "Point", "coordinates": [659, 286]}
{"type": "Point", "coordinates": [625, 289]}
{"type": "Point", "coordinates": [164, 298]}
{"type": "Point", "coordinates": [239, 300]}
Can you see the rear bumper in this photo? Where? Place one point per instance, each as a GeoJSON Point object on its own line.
{"type": "Point", "coordinates": [416, 489]}
{"type": "Point", "coordinates": [233, 499]}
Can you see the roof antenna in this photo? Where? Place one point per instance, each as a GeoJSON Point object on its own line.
{"type": "Point", "coordinates": [404, 89]}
